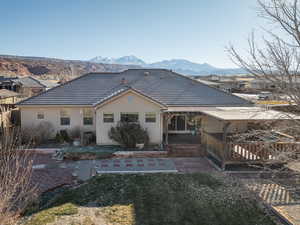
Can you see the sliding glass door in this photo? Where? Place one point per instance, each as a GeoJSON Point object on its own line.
{"type": "Point", "coordinates": [177, 123]}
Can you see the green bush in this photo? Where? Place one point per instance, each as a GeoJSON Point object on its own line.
{"type": "Point", "coordinates": [129, 134]}
{"type": "Point", "coordinates": [62, 136]}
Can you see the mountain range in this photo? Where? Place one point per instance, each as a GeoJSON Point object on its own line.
{"type": "Point", "coordinates": [182, 66]}
{"type": "Point", "coordinates": [11, 65]}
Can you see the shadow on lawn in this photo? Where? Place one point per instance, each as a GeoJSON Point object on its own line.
{"type": "Point", "coordinates": [168, 199]}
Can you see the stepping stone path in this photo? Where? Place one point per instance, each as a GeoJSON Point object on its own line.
{"type": "Point", "coordinates": [136, 165]}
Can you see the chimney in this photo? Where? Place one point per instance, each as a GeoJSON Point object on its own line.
{"type": "Point", "coordinates": [124, 81]}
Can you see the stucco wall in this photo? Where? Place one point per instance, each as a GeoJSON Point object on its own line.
{"type": "Point", "coordinates": [52, 115]}
{"type": "Point", "coordinates": [212, 125]}
{"type": "Point", "coordinates": [134, 103]}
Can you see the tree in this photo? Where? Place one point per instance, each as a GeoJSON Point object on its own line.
{"type": "Point", "coordinates": [276, 60]}
{"type": "Point", "coordinates": [16, 188]}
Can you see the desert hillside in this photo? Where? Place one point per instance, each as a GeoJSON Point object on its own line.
{"type": "Point", "coordinates": [54, 68]}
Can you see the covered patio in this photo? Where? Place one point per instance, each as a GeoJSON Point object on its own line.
{"type": "Point", "coordinates": [235, 120]}
{"type": "Point", "coordinates": [182, 125]}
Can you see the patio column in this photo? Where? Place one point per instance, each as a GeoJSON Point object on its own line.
{"type": "Point", "coordinates": [167, 128]}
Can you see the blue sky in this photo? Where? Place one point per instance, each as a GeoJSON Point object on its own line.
{"type": "Point", "coordinates": [197, 30]}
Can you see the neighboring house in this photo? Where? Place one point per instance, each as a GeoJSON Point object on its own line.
{"type": "Point", "coordinates": [25, 86]}
{"type": "Point", "coordinates": [8, 83]}
{"type": "Point", "coordinates": [227, 83]}
{"type": "Point", "coordinates": [29, 86]}
{"type": "Point", "coordinates": [172, 107]}
{"type": "Point", "coordinates": [8, 97]}
{"type": "Point", "coordinates": [274, 84]}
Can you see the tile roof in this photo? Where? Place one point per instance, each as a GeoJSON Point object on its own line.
{"type": "Point", "coordinates": [30, 82]}
{"type": "Point", "coordinates": [4, 93]}
{"type": "Point", "coordinates": [165, 86]}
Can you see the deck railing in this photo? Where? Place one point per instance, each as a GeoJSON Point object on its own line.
{"type": "Point", "coordinates": [261, 151]}
{"type": "Point", "coordinates": [231, 152]}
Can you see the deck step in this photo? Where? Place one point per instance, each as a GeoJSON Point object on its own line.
{"type": "Point", "coordinates": [185, 150]}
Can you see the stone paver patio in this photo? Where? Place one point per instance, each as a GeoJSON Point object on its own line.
{"type": "Point", "coordinates": [136, 165]}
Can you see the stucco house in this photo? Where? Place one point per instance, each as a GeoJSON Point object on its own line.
{"type": "Point", "coordinates": [179, 112]}
{"type": "Point", "coordinates": [97, 101]}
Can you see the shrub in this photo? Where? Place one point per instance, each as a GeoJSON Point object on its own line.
{"type": "Point", "coordinates": [129, 134]}
{"type": "Point", "coordinates": [65, 135]}
{"type": "Point", "coordinates": [38, 134]}
{"type": "Point", "coordinates": [44, 132]}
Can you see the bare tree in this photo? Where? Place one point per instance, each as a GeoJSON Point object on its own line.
{"type": "Point", "coordinates": [276, 60]}
{"type": "Point", "coordinates": [16, 189]}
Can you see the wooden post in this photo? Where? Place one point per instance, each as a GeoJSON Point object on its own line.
{"type": "Point", "coordinates": [168, 117]}
{"type": "Point", "coordinates": [224, 150]}
{"type": "Point", "coordinates": [167, 128]}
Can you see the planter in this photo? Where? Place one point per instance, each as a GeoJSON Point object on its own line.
{"type": "Point", "coordinates": [76, 142]}
{"type": "Point", "coordinates": [140, 146]}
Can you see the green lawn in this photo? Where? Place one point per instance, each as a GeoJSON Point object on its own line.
{"type": "Point", "coordinates": [161, 199]}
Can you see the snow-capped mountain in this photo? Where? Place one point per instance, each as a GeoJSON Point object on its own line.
{"type": "Point", "coordinates": [124, 60]}
{"type": "Point", "coordinates": [179, 65]}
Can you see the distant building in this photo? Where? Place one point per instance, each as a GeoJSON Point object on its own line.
{"type": "Point", "coordinates": [8, 97]}
{"type": "Point", "coordinates": [25, 86]}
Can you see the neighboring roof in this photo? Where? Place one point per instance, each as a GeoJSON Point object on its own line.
{"type": "Point", "coordinates": [4, 93]}
{"type": "Point", "coordinates": [247, 113]}
{"type": "Point", "coordinates": [274, 79]}
{"type": "Point", "coordinates": [48, 83]}
{"type": "Point", "coordinates": [5, 79]}
{"type": "Point", "coordinates": [30, 82]}
{"type": "Point", "coordinates": [207, 82]}
{"type": "Point", "coordinates": [165, 86]}
{"type": "Point", "coordinates": [249, 97]}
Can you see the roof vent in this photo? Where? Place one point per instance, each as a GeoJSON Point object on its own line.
{"type": "Point", "coordinates": [124, 81]}
{"type": "Point", "coordinates": [146, 73]}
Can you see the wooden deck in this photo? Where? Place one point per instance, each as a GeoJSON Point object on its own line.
{"type": "Point", "coordinates": [248, 152]}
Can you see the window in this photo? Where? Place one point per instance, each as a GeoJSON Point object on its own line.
{"type": "Point", "coordinates": [108, 117]}
{"type": "Point", "coordinates": [131, 117]}
{"type": "Point", "coordinates": [87, 117]}
{"type": "Point", "coordinates": [150, 117]}
{"type": "Point", "coordinates": [40, 115]}
{"type": "Point", "coordinates": [64, 117]}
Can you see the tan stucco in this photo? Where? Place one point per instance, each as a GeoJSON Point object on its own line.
{"type": "Point", "coordinates": [129, 102]}
{"type": "Point", "coordinates": [212, 125]}
{"type": "Point", "coordinates": [52, 115]}
{"type": "Point", "coordinates": [122, 104]}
